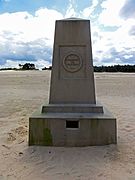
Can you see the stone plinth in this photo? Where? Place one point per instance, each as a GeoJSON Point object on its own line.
{"type": "Point", "coordinates": [51, 129]}
{"type": "Point", "coordinates": [72, 117]}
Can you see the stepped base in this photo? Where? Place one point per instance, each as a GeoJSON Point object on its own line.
{"type": "Point", "coordinates": [72, 129]}
{"type": "Point", "coordinates": [72, 108]}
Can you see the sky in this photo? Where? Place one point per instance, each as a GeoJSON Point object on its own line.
{"type": "Point", "coordinates": [27, 30]}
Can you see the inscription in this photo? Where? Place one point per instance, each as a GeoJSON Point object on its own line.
{"type": "Point", "coordinates": [72, 62]}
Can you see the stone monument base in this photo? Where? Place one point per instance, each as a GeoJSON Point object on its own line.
{"type": "Point", "coordinates": [72, 125]}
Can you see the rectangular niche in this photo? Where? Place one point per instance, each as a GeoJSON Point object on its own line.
{"type": "Point", "coordinates": [72, 124]}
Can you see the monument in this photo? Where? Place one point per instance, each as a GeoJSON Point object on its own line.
{"type": "Point", "coordinates": [72, 117]}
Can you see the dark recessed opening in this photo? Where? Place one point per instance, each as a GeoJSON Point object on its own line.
{"type": "Point", "coordinates": [72, 124]}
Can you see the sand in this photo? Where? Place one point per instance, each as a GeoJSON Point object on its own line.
{"type": "Point", "coordinates": [21, 93]}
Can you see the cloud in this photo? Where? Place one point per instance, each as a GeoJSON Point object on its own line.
{"type": "Point", "coordinates": [132, 31]}
{"type": "Point", "coordinates": [87, 12]}
{"type": "Point", "coordinates": [9, 63]}
{"type": "Point", "coordinates": [29, 27]}
{"type": "Point", "coordinates": [128, 10]}
{"type": "Point", "coordinates": [115, 46]}
{"type": "Point", "coordinates": [71, 12]}
{"type": "Point", "coordinates": [26, 50]}
{"type": "Point", "coordinates": [27, 37]}
{"type": "Point", "coordinates": [110, 13]}
{"type": "Point", "coordinates": [72, 9]}
{"type": "Point", "coordinates": [40, 63]}
{"type": "Point", "coordinates": [113, 56]}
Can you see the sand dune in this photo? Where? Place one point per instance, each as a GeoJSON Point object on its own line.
{"type": "Point", "coordinates": [21, 93]}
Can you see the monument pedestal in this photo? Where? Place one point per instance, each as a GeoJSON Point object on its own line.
{"type": "Point", "coordinates": [72, 125]}
{"type": "Point", "coordinates": [72, 117]}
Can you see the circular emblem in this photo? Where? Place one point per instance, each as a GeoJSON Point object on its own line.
{"type": "Point", "coordinates": [72, 62]}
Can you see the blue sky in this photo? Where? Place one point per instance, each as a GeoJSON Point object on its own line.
{"type": "Point", "coordinates": [27, 29]}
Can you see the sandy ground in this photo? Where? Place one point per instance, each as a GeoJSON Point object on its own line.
{"type": "Point", "coordinates": [21, 93]}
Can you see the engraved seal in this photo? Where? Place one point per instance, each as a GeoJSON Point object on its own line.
{"type": "Point", "coordinates": [72, 62]}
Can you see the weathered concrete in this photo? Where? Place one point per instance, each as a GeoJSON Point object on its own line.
{"type": "Point", "coordinates": [72, 117]}
{"type": "Point", "coordinates": [94, 129]}
{"type": "Point", "coordinates": [72, 108]}
{"type": "Point", "coordinates": [72, 79]}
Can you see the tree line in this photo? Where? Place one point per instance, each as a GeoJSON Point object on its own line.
{"type": "Point", "coordinates": [26, 66]}
{"type": "Point", "coordinates": [113, 68]}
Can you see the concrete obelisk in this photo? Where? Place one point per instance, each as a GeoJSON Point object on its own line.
{"type": "Point", "coordinates": [72, 74]}
{"type": "Point", "coordinates": [72, 117]}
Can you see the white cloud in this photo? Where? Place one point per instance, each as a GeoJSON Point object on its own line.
{"type": "Point", "coordinates": [110, 14]}
{"type": "Point", "coordinates": [28, 27]}
{"type": "Point", "coordinates": [45, 20]}
{"type": "Point", "coordinates": [128, 56]}
{"type": "Point", "coordinates": [70, 12]}
{"type": "Point", "coordinates": [116, 47]}
{"type": "Point", "coordinates": [29, 38]}
{"type": "Point", "coordinates": [10, 64]}
{"type": "Point", "coordinates": [113, 46]}
{"type": "Point", "coordinates": [89, 10]}
{"type": "Point", "coordinates": [23, 36]}
{"type": "Point", "coordinates": [128, 10]}
{"type": "Point", "coordinates": [40, 63]}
